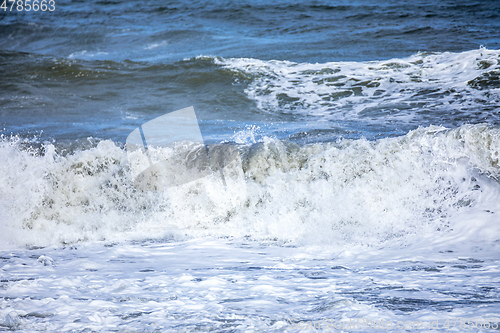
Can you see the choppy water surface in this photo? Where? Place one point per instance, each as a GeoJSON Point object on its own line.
{"type": "Point", "coordinates": [366, 188]}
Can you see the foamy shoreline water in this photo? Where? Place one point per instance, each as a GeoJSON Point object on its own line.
{"type": "Point", "coordinates": [214, 284]}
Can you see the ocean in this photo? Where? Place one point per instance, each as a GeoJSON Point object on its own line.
{"type": "Point", "coordinates": [352, 180]}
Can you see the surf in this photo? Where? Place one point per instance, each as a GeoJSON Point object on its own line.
{"type": "Point", "coordinates": [339, 193]}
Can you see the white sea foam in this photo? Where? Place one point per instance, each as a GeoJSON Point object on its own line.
{"type": "Point", "coordinates": [432, 183]}
{"type": "Point", "coordinates": [220, 285]}
{"type": "Point", "coordinates": [433, 88]}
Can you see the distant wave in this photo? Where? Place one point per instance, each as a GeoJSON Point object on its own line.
{"type": "Point", "coordinates": [430, 88]}
{"type": "Point", "coordinates": [396, 95]}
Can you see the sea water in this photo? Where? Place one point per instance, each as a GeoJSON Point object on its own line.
{"type": "Point", "coordinates": [365, 195]}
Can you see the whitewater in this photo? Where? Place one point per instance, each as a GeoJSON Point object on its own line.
{"type": "Point", "coordinates": [354, 229]}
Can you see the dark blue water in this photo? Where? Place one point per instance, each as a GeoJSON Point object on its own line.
{"type": "Point", "coordinates": [101, 68]}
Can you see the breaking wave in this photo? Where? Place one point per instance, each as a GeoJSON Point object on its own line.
{"type": "Point", "coordinates": [432, 181]}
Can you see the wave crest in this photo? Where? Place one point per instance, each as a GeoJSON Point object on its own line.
{"type": "Point", "coordinates": [351, 192]}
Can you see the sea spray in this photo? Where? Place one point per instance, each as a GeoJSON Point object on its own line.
{"type": "Point", "coordinates": [351, 192]}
